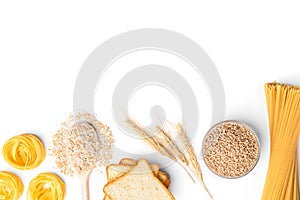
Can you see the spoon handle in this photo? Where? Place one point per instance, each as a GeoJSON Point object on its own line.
{"type": "Point", "coordinates": [85, 186]}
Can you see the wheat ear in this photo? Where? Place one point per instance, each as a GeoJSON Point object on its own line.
{"type": "Point", "coordinates": [160, 143]}
{"type": "Point", "coordinates": [193, 158]}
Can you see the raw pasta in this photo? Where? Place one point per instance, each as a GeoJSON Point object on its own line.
{"type": "Point", "coordinates": [46, 186]}
{"type": "Point", "coordinates": [11, 186]}
{"type": "Point", "coordinates": [24, 151]}
{"type": "Point", "coordinates": [284, 122]}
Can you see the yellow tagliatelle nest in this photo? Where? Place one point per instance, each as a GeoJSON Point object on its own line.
{"type": "Point", "coordinates": [24, 151]}
{"type": "Point", "coordinates": [11, 186]}
{"type": "Point", "coordinates": [46, 186]}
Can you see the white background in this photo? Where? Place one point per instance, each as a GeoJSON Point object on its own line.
{"type": "Point", "coordinates": [43, 45]}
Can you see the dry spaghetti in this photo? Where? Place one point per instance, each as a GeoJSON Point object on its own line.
{"type": "Point", "coordinates": [46, 186]}
{"type": "Point", "coordinates": [24, 151]}
{"type": "Point", "coordinates": [11, 186]}
{"type": "Point", "coordinates": [283, 103]}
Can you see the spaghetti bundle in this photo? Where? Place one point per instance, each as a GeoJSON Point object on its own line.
{"type": "Point", "coordinates": [24, 151]}
{"type": "Point", "coordinates": [11, 186]}
{"type": "Point", "coordinates": [46, 186]}
{"type": "Point", "coordinates": [283, 103]}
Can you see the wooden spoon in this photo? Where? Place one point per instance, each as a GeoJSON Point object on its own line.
{"type": "Point", "coordinates": [84, 178]}
{"type": "Point", "coordinates": [85, 128]}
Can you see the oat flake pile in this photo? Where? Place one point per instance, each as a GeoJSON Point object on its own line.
{"type": "Point", "coordinates": [81, 143]}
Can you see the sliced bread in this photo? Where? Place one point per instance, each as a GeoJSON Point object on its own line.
{"type": "Point", "coordinates": [128, 161]}
{"type": "Point", "coordinates": [114, 171]}
{"type": "Point", "coordinates": [138, 184]}
{"type": "Point", "coordinates": [162, 176]}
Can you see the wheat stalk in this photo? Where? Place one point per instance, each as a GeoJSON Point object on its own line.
{"type": "Point", "coordinates": [148, 138]}
{"type": "Point", "coordinates": [192, 156]}
{"type": "Point", "coordinates": [172, 146]}
{"type": "Point", "coordinates": [166, 146]}
{"type": "Point", "coordinates": [160, 144]}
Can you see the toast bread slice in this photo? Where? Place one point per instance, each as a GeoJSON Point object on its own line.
{"type": "Point", "coordinates": [114, 171]}
{"type": "Point", "coordinates": [128, 161]}
{"type": "Point", "coordinates": [162, 176]}
{"type": "Point", "coordinates": [139, 183]}
{"type": "Point", "coordinates": [118, 171]}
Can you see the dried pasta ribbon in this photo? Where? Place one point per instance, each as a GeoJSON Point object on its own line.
{"type": "Point", "coordinates": [46, 186]}
{"type": "Point", "coordinates": [11, 186]}
{"type": "Point", "coordinates": [24, 151]}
